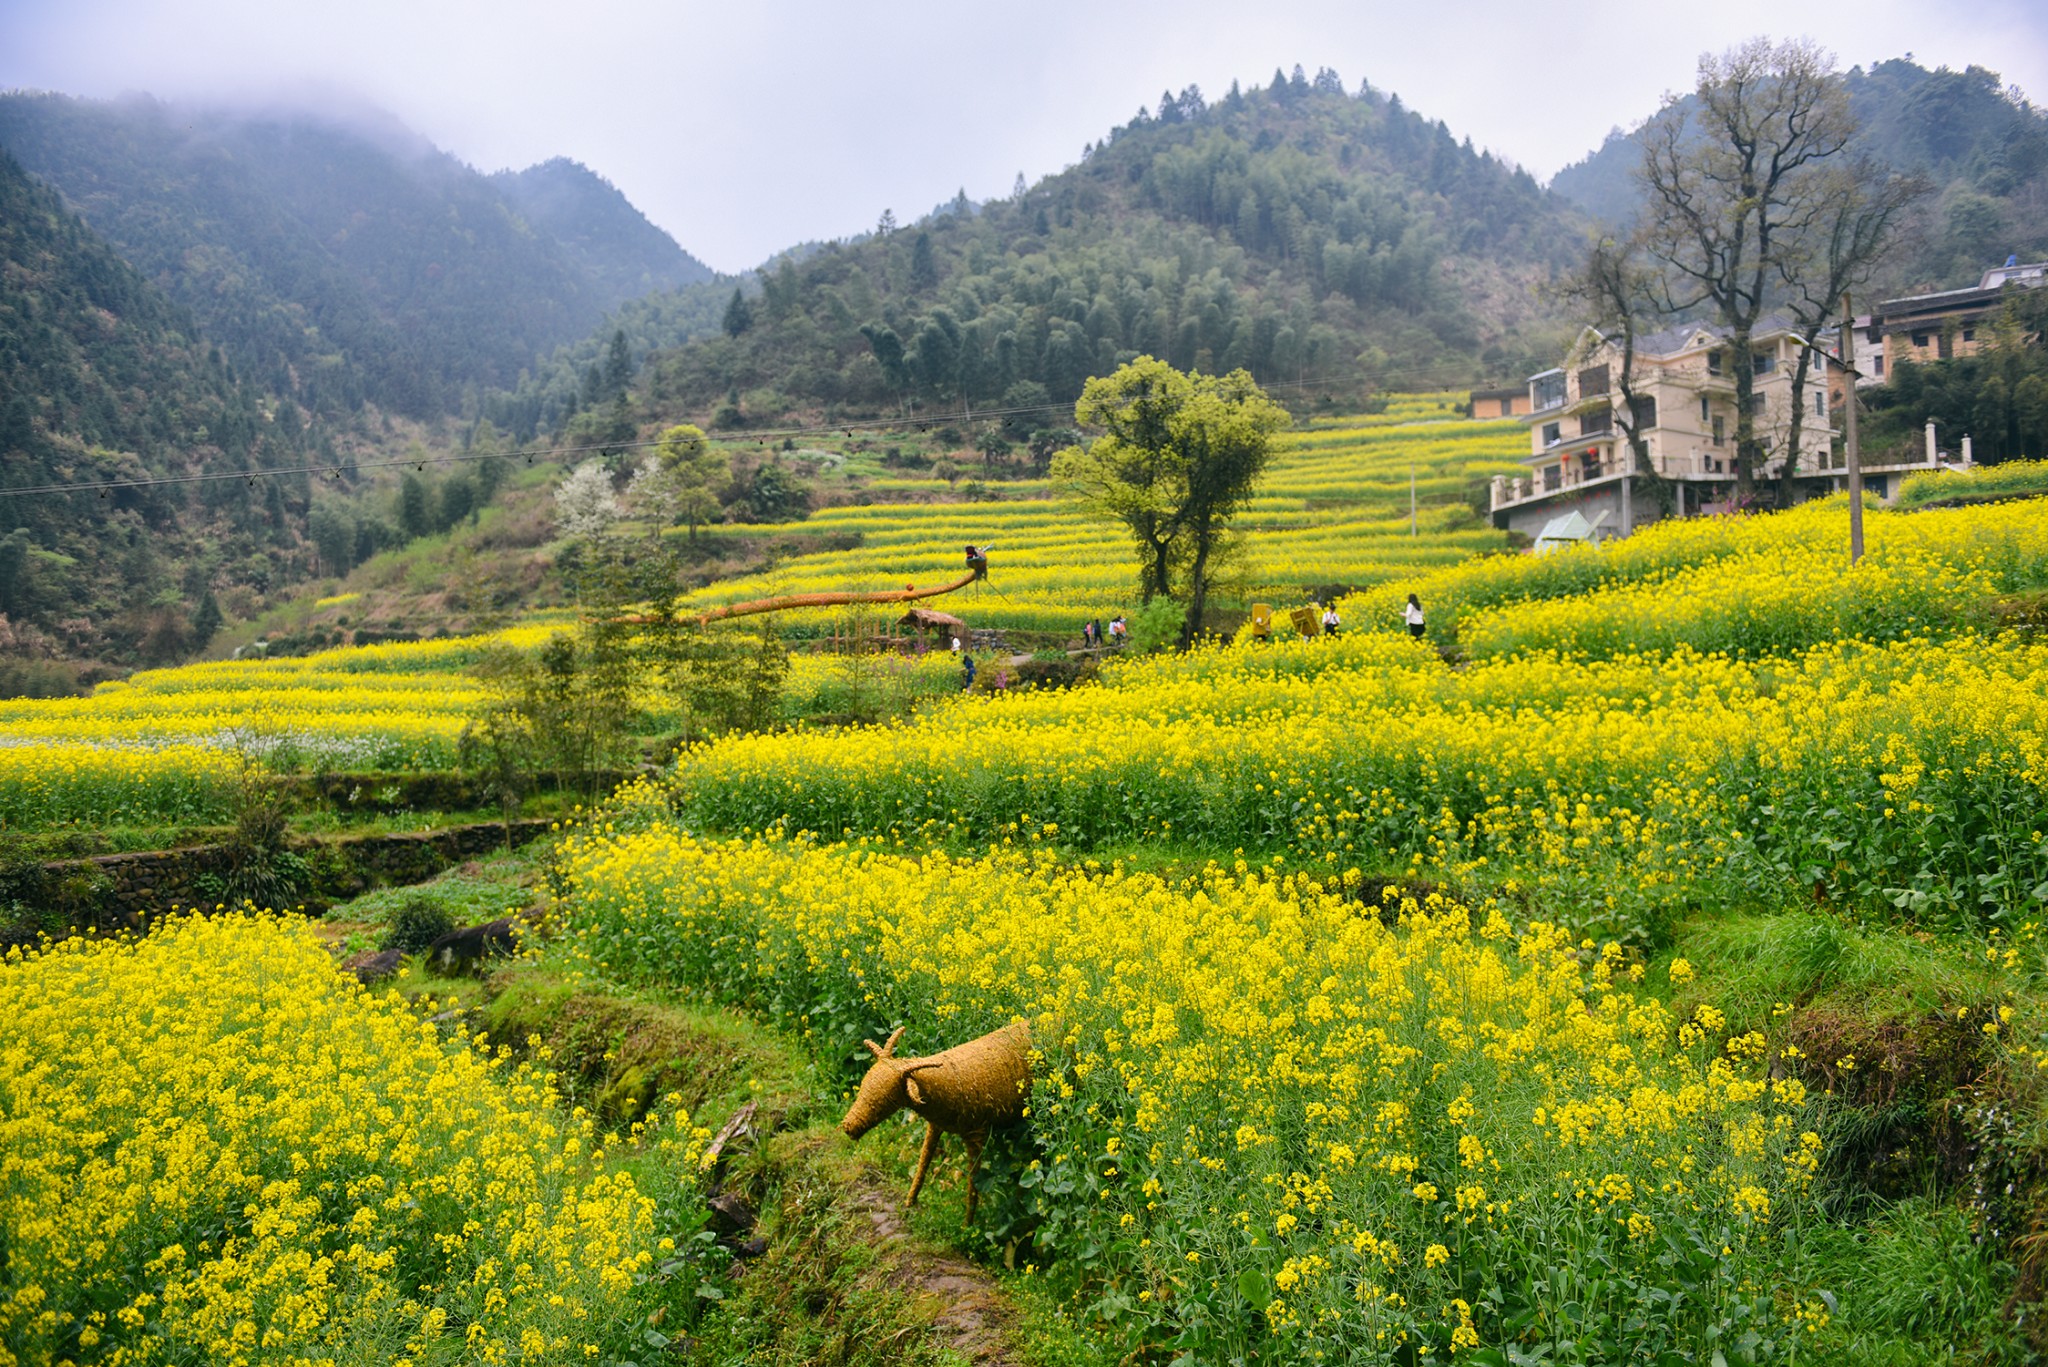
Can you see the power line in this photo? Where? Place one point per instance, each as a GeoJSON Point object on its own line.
{"type": "Point", "coordinates": [760, 436]}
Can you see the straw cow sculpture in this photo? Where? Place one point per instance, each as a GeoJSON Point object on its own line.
{"type": "Point", "coordinates": [968, 1090]}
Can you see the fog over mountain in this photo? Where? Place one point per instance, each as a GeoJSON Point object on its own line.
{"type": "Point", "coordinates": [743, 129]}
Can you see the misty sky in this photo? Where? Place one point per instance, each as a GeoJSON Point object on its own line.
{"type": "Point", "coordinates": [745, 128]}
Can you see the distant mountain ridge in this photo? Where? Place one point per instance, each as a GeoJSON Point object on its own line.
{"type": "Point", "coordinates": [613, 242]}
{"type": "Point", "coordinates": [102, 378]}
{"type": "Point", "coordinates": [340, 262]}
{"type": "Point", "coordinates": [1316, 236]}
{"type": "Point", "coordinates": [1984, 147]}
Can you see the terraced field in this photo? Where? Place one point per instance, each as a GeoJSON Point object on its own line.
{"type": "Point", "coordinates": [1332, 511]}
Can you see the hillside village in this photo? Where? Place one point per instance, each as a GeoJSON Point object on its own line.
{"type": "Point", "coordinates": [1630, 431]}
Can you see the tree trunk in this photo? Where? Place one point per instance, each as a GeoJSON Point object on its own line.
{"type": "Point", "coordinates": [1198, 593]}
{"type": "Point", "coordinates": [1743, 362]}
{"type": "Point", "coordinates": [1155, 579]}
{"type": "Point", "coordinates": [1797, 430]}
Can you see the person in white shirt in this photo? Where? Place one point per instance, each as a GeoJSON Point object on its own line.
{"type": "Point", "coordinates": [1413, 615]}
{"type": "Point", "coordinates": [1331, 624]}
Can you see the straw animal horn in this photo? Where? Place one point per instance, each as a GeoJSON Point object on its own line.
{"type": "Point", "coordinates": [886, 1050]}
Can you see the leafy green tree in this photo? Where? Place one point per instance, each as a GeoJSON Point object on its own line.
{"type": "Point", "coordinates": [206, 620]}
{"type": "Point", "coordinates": [455, 502]}
{"type": "Point", "coordinates": [15, 562]}
{"type": "Point", "coordinates": [771, 493]}
{"type": "Point", "coordinates": [618, 366]}
{"type": "Point", "coordinates": [334, 536]}
{"type": "Point", "coordinates": [415, 507]}
{"type": "Point", "coordinates": [1179, 456]}
{"type": "Point", "coordinates": [924, 265]}
{"type": "Point", "coordinates": [739, 315]}
{"type": "Point", "coordinates": [688, 471]}
{"type": "Point", "coordinates": [994, 447]}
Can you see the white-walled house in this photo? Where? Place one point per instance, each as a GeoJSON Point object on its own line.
{"type": "Point", "coordinates": [1579, 458]}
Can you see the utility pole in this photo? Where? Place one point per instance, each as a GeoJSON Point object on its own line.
{"type": "Point", "coordinates": [1850, 455]}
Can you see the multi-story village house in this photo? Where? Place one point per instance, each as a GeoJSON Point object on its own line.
{"type": "Point", "coordinates": [1940, 326]}
{"type": "Point", "coordinates": [1580, 461]}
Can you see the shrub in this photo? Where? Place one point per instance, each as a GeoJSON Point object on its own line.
{"type": "Point", "coordinates": [417, 924]}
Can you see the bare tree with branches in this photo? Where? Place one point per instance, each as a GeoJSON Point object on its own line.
{"type": "Point", "coordinates": [1864, 204]}
{"type": "Point", "coordinates": [1619, 296]}
{"type": "Point", "coordinates": [1734, 182]}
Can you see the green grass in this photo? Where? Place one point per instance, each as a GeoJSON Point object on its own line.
{"type": "Point", "coordinates": [1920, 1290]}
{"type": "Point", "coordinates": [1811, 959]}
{"type": "Point", "coordinates": [472, 892]}
{"type": "Point", "coordinates": [1981, 484]}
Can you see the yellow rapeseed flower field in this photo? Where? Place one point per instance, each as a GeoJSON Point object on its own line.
{"type": "Point", "coordinates": [1271, 1112]}
{"type": "Point", "coordinates": [1333, 509]}
{"type": "Point", "coordinates": [215, 1147]}
{"type": "Point", "coordinates": [1752, 586]}
{"type": "Point", "coordinates": [1606, 791]}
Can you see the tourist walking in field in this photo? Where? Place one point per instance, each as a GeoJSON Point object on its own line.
{"type": "Point", "coordinates": [1332, 624]}
{"type": "Point", "coordinates": [966, 672]}
{"type": "Point", "coordinates": [1413, 614]}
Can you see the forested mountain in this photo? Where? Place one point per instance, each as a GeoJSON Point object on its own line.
{"type": "Point", "coordinates": [1981, 144]}
{"type": "Point", "coordinates": [1322, 239]}
{"type": "Point", "coordinates": [612, 242]}
{"type": "Point", "coordinates": [101, 377]}
{"type": "Point", "coordinates": [341, 261]}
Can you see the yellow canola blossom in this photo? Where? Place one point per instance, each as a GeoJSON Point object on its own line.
{"type": "Point", "coordinates": [214, 1147]}
{"type": "Point", "coordinates": [48, 785]}
{"type": "Point", "coordinates": [1401, 1105]}
{"type": "Point", "coordinates": [1333, 508]}
{"type": "Point", "coordinates": [1754, 586]}
{"type": "Point", "coordinates": [1609, 788]}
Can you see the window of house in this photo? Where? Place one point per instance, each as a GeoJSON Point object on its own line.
{"type": "Point", "coordinates": [1762, 365]}
{"type": "Point", "coordinates": [1703, 410]}
{"type": "Point", "coordinates": [1645, 411]}
{"type": "Point", "coordinates": [1720, 433]}
{"type": "Point", "coordinates": [1553, 476]}
{"type": "Point", "coordinates": [1592, 381]}
{"type": "Point", "coordinates": [1820, 404]}
{"type": "Point", "coordinates": [1969, 334]}
{"type": "Point", "coordinates": [1547, 391]}
{"type": "Point", "coordinates": [1878, 368]}
{"type": "Point", "coordinates": [1919, 339]}
{"type": "Point", "coordinates": [1713, 363]}
{"type": "Point", "coordinates": [1593, 424]}
{"type": "Point", "coordinates": [1553, 433]}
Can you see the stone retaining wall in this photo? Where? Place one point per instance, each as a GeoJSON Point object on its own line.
{"type": "Point", "coordinates": [443, 791]}
{"type": "Point", "coordinates": [126, 891]}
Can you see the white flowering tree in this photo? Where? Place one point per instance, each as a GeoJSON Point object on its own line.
{"type": "Point", "coordinates": [585, 505]}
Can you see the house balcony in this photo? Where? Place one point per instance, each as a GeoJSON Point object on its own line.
{"type": "Point", "coordinates": [1607, 467]}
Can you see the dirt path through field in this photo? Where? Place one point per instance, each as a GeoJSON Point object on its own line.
{"type": "Point", "coordinates": [969, 1313]}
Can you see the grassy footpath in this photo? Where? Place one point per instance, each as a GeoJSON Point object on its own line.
{"type": "Point", "coordinates": [838, 1274]}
